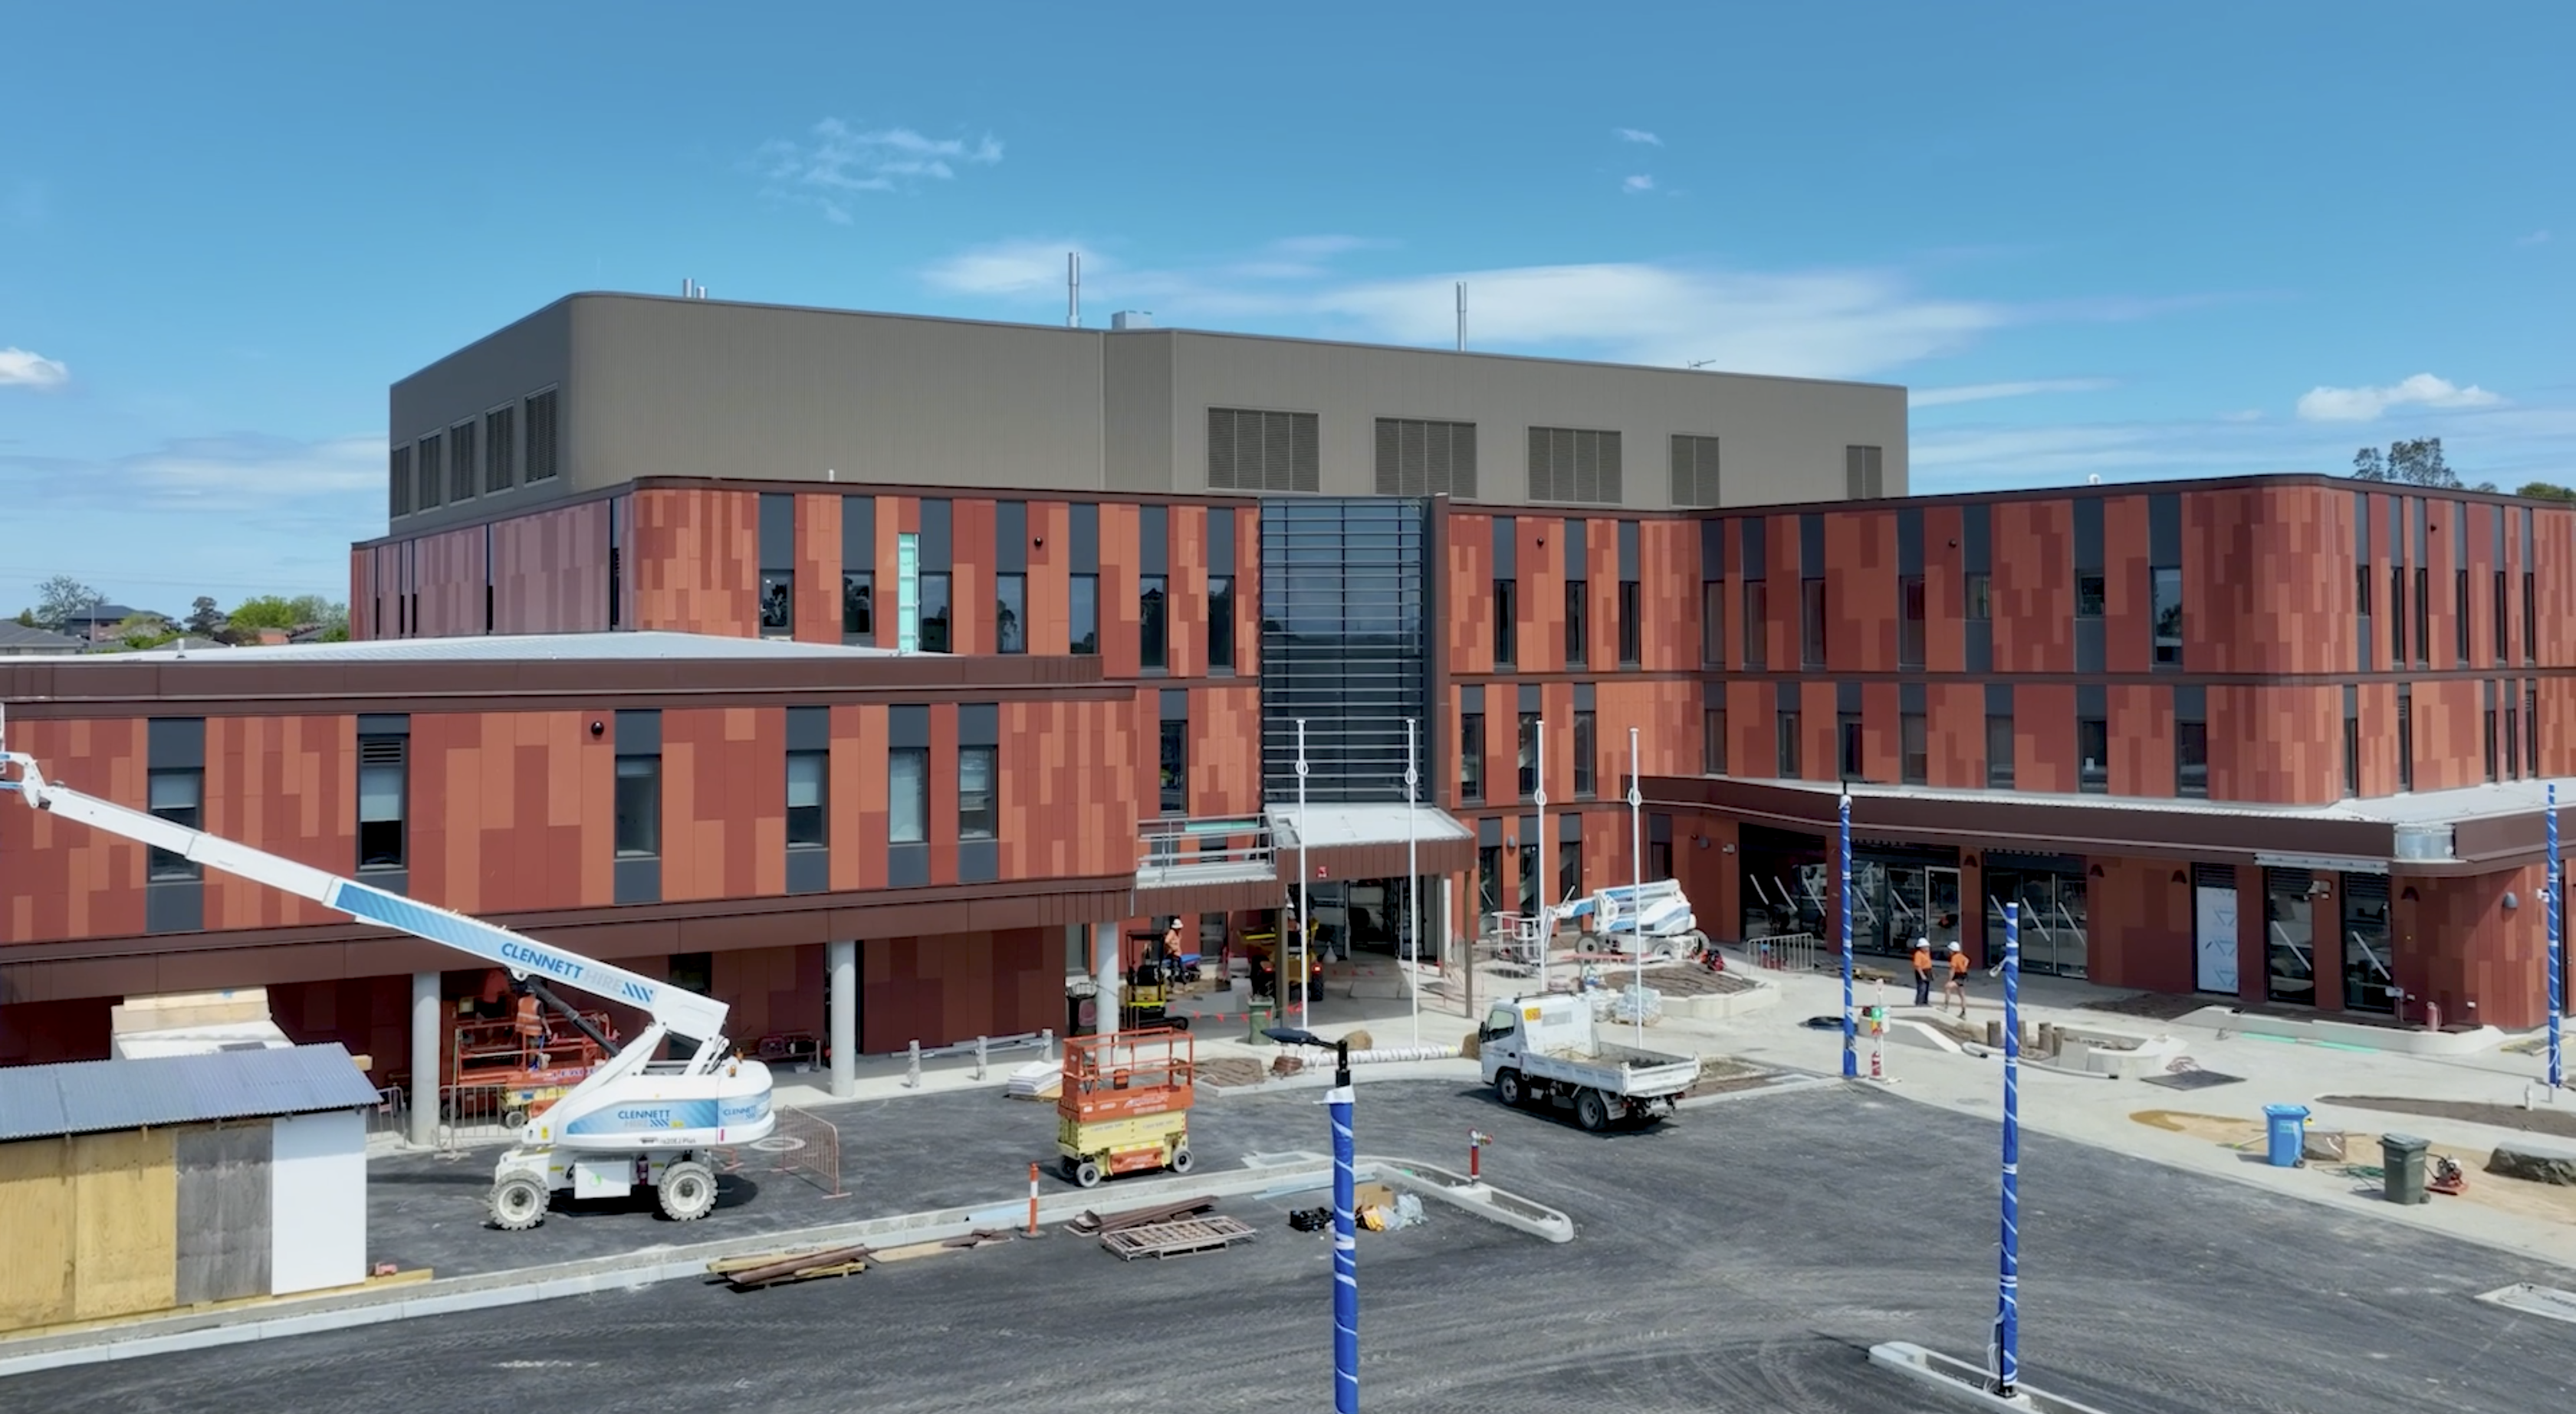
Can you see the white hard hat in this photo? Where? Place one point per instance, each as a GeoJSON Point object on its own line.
{"type": "Point", "coordinates": [1954, 947]}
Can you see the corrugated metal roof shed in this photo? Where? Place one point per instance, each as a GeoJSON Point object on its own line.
{"type": "Point", "coordinates": [91, 1097]}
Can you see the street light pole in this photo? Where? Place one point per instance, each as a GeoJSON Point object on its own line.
{"type": "Point", "coordinates": [1637, 881]}
{"type": "Point", "coordinates": [1346, 1246]}
{"type": "Point", "coordinates": [2007, 1370]}
{"type": "Point", "coordinates": [1413, 873]}
{"type": "Point", "coordinates": [1303, 931]}
{"type": "Point", "coordinates": [1851, 1041]}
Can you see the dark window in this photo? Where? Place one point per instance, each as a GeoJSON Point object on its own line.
{"type": "Point", "coordinates": [1578, 622]}
{"type": "Point", "coordinates": [2423, 617]}
{"type": "Point", "coordinates": [2531, 724]}
{"type": "Point", "coordinates": [2351, 743]}
{"type": "Point", "coordinates": [401, 467]}
{"type": "Point", "coordinates": [1659, 859]}
{"type": "Point", "coordinates": [1471, 757]}
{"type": "Point", "coordinates": [2191, 760]}
{"type": "Point", "coordinates": [1848, 724]}
{"type": "Point", "coordinates": [1506, 623]}
{"type": "Point", "coordinates": [2361, 591]}
{"type": "Point", "coordinates": [2093, 755]}
{"type": "Point", "coordinates": [500, 449]}
{"type": "Point", "coordinates": [431, 465]}
{"type": "Point", "coordinates": [2368, 983]}
{"type": "Point", "coordinates": [934, 613]}
{"type": "Point", "coordinates": [1220, 624]}
{"type": "Point", "coordinates": [1757, 625]}
{"type": "Point", "coordinates": [1811, 621]}
{"type": "Point", "coordinates": [1263, 451]}
{"type": "Point", "coordinates": [1712, 622]}
{"type": "Point", "coordinates": [383, 791]}
{"type": "Point", "coordinates": [462, 472]}
{"type": "Point", "coordinates": [1151, 622]}
{"type": "Point", "coordinates": [1569, 860]}
{"type": "Point", "coordinates": [2405, 737]}
{"type": "Point", "coordinates": [1586, 780]}
{"type": "Point", "coordinates": [2089, 595]}
{"type": "Point", "coordinates": [2530, 619]}
{"type": "Point", "coordinates": [858, 604]}
{"type": "Point", "coordinates": [1712, 741]}
{"type": "Point", "coordinates": [2512, 734]}
{"type": "Point", "coordinates": [1528, 889]}
{"type": "Point", "coordinates": [1174, 760]}
{"type": "Point", "coordinates": [1082, 595]}
{"type": "Point", "coordinates": [2503, 619]}
{"type": "Point", "coordinates": [1787, 747]}
{"type": "Point", "coordinates": [2489, 730]}
{"type": "Point", "coordinates": [777, 603]}
{"type": "Point", "coordinates": [1917, 749]}
{"type": "Point", "coordinates": [2460, 618]}
{"type": "Point", "coordinates": [907, 795]}
{"type": "Point", "coordinates": [541, 437]}
{"type": "Point", "coordinates": [1529, 754]}
{"type": "Point", "coordinates": [180, 798]}
{"type": "Point", "coordinates": [1909, 622]}
{"type": "Point", "coordinates": [2168, 617]}
{"type": "Point", "coordinates": [2397, 616]}
{"type": "Point", "coordinates": [1631, 627]}
{"type": "Point", "coordinates": [1489, 879]}
{"type": "Point", "coordinates": [809, 777]}
{"type": "Point", "coordinates": [979, 784]}
{"type": "Point", "coordinates": [1999, 751]}
{"type": "Point", "coordinates": [639, 806]}
{"type": "Point", "coordinates": [1011, 613]}
{"type": "Point", "coordinates": [1979, 591]}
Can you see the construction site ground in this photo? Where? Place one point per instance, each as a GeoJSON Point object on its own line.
{"type": "Point", "coordinates": [1740, 1258]}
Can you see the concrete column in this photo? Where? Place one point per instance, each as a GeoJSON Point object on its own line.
{"type": "Point", "coordinates": [427, 1015]}
{"type": "Point", "coordinates": [1105, 970]}
{"type": "Point", "coordinates": [841, 965]}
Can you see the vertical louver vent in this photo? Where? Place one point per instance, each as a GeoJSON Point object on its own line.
{"type": "Point", "coordinates": [1574, 464]}
{"type": "Point", "coordinates": [1263, 451]}
{"type": "Point", "coordinates": [1694, 470]}
{"type": "Point", "coordinates": [1416, 458]}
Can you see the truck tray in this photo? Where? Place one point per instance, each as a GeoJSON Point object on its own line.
{"type": "Point", "coordinates": [1173, 1239]}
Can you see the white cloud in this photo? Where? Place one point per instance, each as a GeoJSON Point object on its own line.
{"type": "Point", "coordinates": [1987, 392]}
{"type": "Point", "coordinates": [2535, 238]}
{"type": "Point", "coordinates": [2323, 404]}
{"type": "Point", "coordinates": [1637, 184]}
{"type": "Point", "coordinates": [22, 368]}
{"type": "Point", "coordinates": [1637, 135]}
{"type": "Point", "coordinates": [836, 162]}
{"type": "Point", "coordinates": [249, 469]}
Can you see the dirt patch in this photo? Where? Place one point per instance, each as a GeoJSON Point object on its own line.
{"type": "Point", "coordinates": [2530, 1200]}
{"type": "Point", "coordinates": [2558, 1124]}
{"type": "Point", "coordinates": [1719, 1075]}
{"type": "Point", "coordinates": [2152, 1006]}
{"type": "Point", "coordinates": [1687, 982]}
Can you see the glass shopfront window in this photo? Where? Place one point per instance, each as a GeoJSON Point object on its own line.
{"type": "Point", "coordinates": [2369, 981]}
{"type": "Point", "coordinates": [2289, 937]}
{"type": "Point", "coordinates": [2056, 928]}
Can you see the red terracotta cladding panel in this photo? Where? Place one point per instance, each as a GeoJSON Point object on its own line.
{"type": "Point", "coordinates": [2378, 704]}
{"type": "Point", "coordinates": [1185, 595]}
{"type": "Point", "coordinates": [449, 576]}
{"type": "Point", "coordinates": [66, 880]}
{"type": "Point", "coordinates": [1882, 739]}
{"type": "Point", "coordinates": [1945, 634]}
{"type": "Point", "coordinates": [2128, 590]}
{"type": "Point", "coordinates": [1667, 715]}
{"type": "Point", "coordinates": [510, 812]}
{"type": "Point", "coordinates": [2144, 925]}
{"type": "Point", "coordinates": [2141, 725]}
{"type": "Point", "coordinates": [1537, 545]}
{"type": "Point", "coordinates": [2044, 756]}
{"type": "Point", "coordinates": [362, 596]}
{"type": "Point", "coordinates": [1860, 591]}
{"type": "Point", "coordinates": [1668, 560]}
{"type": "Point", "coordinates": [970, 577]}
{"type": "Point", "coordinates": [2034, 586]}
{"type": "Point", "coordinates": [1050, 577]}
{"type": "Point", "coordinates": [1820, 754]}
{"type": "Point", "coordinates": [2276, 745]}
{"type": "Point", "coordinates": [2267, 580]}
{"type": "Point", "coordinates": [1225, 752]}
{"type": "Point", "coordinates": [1471, 595]}
{"type": "Point", "coordinates": [1247, 590]}
{"type": "Point", "coordinates": [1752, 748]}
{"type": "Point", "coordinates": [1782, 573]}
{"type": "Point", "coordinates": [287, 785]}
{"type": "Point", "coordinates": [724, 803]}
{"type": "Point", "coordinates": [1118, 572]}
{"type": "Point", "coordinates": [1069, 803]}
{"type": "Point", "coordinates": [2456, 941]}
{"type": "Point", "coordinates": [2441, 557]}
{"type": "Point", "coordinates": [550, 571]}
{"type": "Point", "coordinates": [1955, 734]}
{"type": "Point", "coordinates": [696, 561]}
{"type": "Point", "coordinates": [2554, 550]}
{"type": "Point", "coordinates": [818, 569]}
{"type": "Point", "coordinates": [857, 798]}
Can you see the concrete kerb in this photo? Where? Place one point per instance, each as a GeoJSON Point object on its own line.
{"type": "Point", "coordinates": [345, 1309]}
{"type": "Point", "coordinates": [1965, 1383]}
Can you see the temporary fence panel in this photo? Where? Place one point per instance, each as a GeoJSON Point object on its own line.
{"type": "Point", "coordinates": [808, 1146]}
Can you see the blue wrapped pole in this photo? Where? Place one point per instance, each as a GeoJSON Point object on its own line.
{"type": "Point", "coordinates": [2557, 941]}
{"type": "Point", "coordinates": [1851, 1039]}
{"type": "Point", "coordinates": [1346, 1257]}
{"type": "Point", "coordinates": [2007, 1370]}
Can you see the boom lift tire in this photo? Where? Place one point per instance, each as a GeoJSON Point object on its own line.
{"type": "Point", "coordinates": [688, 1191]}
{"type": "Point", "coordinates": [518, 1202]}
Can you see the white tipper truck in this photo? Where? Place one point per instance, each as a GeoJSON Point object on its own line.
{"type": "Point", "coordinates": [1547, 1049]}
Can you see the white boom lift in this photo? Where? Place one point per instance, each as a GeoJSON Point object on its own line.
{"type": "Point", "coordinates": [635, 1121]}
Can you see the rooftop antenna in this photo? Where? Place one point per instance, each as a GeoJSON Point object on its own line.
{"type": "Point", "coordinates": [1462, 316]}
{"type": "Point", "coordinates": [1700, 362]}
{"type": "Point", "coordinates": [1073, 289]}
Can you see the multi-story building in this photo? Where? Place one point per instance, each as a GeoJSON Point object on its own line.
{"type": "Point", "coordinates": [2276, 740]}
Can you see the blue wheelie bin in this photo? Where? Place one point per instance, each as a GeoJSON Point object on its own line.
{"type": "Point", "coordinates": [2286, 1127]}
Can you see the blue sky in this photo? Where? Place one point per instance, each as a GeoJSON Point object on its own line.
{"type": "Point", "coordinates": [2122, 241]}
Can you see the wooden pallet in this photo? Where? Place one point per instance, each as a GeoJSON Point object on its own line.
{"type": "Point", "coordinates": [1174, 1239]}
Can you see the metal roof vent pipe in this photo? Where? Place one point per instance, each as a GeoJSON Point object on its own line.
{"type": "Point", "coordinates": [1132, 319]}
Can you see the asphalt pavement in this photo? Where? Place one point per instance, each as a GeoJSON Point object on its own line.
{"type": "Point", "coordinates": [1741, 1258]}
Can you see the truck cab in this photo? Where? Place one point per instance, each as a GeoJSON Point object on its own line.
{"type": "Point", "coordinates": [1519, 1027]}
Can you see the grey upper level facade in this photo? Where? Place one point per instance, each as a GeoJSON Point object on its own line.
{"type": "Point", "coordinates": [596, 390]}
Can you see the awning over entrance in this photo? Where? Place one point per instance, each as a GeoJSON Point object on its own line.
{"type": "Point", "coordinates": [1368, 841]}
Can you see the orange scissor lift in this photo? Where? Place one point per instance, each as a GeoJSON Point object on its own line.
{"type": "Point", "coordinates": [1125, 1106]}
